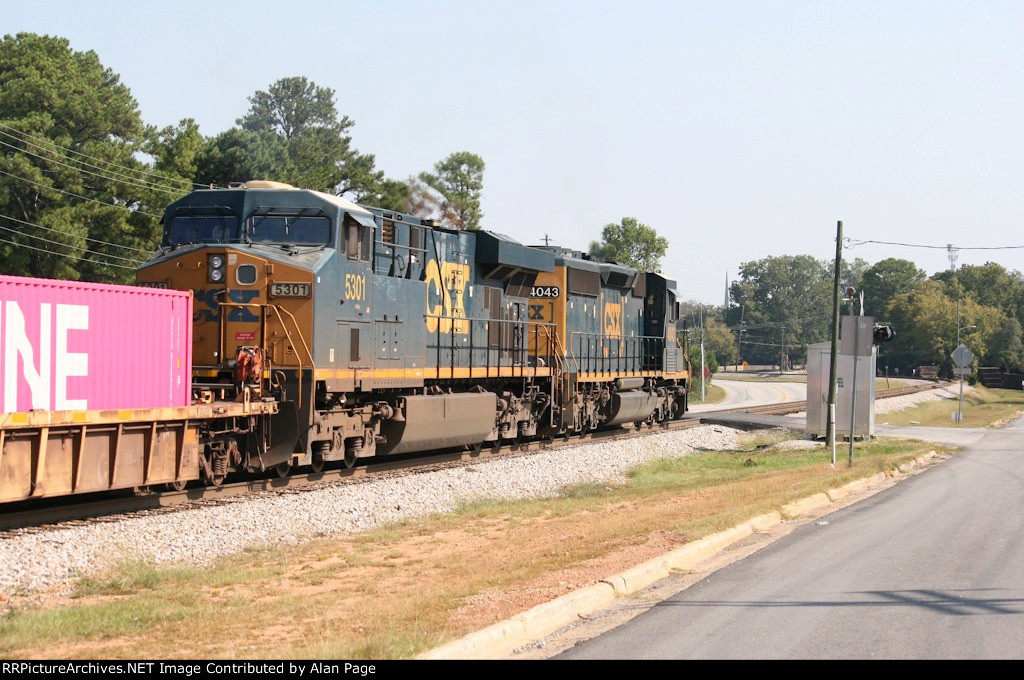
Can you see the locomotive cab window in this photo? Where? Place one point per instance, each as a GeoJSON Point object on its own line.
{"type": "Point", "coordinates": [290, 229]}
{"type": "Point", "coordinates": [188, 229]}
{"type": "Point", "coordinates": [358, 237]}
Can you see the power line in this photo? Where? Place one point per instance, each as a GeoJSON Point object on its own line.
{"type": "Point", "coordinates": [59, 231]}
{"type": "Point", "coordinates": [50, 147]}
{"type": "Point", "coordinates": [84, 198]}
{"type": "Point", "coordinates": [775, 324]}
{"type": "Point", "coordinates": [145, 185]}
{"type": "Point", "coordinates": [69, 245]}
{"type": "Point", "coordinates": [918, 245]}
{"type": "Point", "coordinates": [30, 139]}
{"type": "Point", "coordinates": [65, 255]}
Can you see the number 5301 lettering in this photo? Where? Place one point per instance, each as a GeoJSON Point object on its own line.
{"type": "Point", "coordinates": [355, 286]}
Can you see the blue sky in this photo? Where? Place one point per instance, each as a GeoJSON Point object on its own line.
{"type": "Point", "coordinates": [737, 129]}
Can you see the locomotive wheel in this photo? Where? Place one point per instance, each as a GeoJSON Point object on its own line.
{"type": "Point", "coordinates": [350, 459]}
{"type": "Point", "coordinates": [282, 469]}
{"type": "Point", "coordinates": [317, 463]}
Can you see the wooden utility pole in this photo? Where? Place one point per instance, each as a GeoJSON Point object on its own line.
{"type": "Point", "coordinates": [830, 427]}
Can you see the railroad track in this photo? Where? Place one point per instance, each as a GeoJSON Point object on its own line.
{"type": "Point", "coordinates": [37, 515]}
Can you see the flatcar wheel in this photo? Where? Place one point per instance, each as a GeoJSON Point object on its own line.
{"type": "Point", "coordinates": [317, 463]}
{"type": "Point", "coordinates": [282, 469]}
{"type": "Point", "coordinates": [176, 486]}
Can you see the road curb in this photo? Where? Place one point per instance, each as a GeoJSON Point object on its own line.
{"type": "Point", "coordinates": [503, 637]}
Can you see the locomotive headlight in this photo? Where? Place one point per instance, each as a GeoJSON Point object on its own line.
{"type": "Point", "coordinates": [216, 270]}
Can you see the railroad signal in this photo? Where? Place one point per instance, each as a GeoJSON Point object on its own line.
{"type": "Point", "coordinates": [883, 334]}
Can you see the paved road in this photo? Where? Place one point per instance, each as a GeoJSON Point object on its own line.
{"type": "Point", "coordinates": [931, 568]}
{"type": "Point", "coordinates": [746, 393]}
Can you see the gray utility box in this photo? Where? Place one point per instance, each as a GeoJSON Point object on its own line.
{"type": "Point", "coordinates": [819, 359]}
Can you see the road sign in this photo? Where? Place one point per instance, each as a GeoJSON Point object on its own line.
{"type": "Point", "coordinates": [962, 356]}
{"type": "Point", "coordinates": [962, 371]}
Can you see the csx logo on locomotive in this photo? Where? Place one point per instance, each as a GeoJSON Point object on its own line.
{"type": "Point", "coordinates": [212, 299]}
{"type": "Point", "coordinates": [613, 318]}
{"type": "Point", "coordinates": [446, 289]}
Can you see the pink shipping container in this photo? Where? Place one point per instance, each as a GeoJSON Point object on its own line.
{"type": "Point", "coordinates": [72, 346]}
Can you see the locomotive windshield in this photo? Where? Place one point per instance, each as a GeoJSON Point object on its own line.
{"type": "Point", "coordinates": [202, 229]}
{"type": "Point", "coordinates": [290, 229]}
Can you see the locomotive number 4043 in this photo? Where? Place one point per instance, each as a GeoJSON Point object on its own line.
{"type": "Point", "coordinates": [545, 292]}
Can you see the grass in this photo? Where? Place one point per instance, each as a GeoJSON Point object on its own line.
{"type": "Point", "coordinates": [402, 589]}
{"type": "Point", "coordinates": [713, 394]}
{"type": "Point", "coordinates": [397, 591]}
{"type": "Point", "coordinates": [982, 407]}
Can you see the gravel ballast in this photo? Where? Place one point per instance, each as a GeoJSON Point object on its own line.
{"type": "Point", "coordinates": [33, 564]}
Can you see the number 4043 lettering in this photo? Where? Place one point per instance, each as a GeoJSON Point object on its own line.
{"type": "Point", "coordinates": [545, 292]}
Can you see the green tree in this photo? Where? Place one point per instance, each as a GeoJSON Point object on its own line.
{"type": "Point", "coordinates": [852, 274]}
{"type": "Point", "coordinates": [720, 341]}
{"type": "Point", "coordinates": [990, 284]}
{"type": "Point", "coordinates": [632, 243]}
{"type": "Point", "coordinates": [293, 106]}
{"type": "Point", "coordinates": [781, 301]}
{"type": "Point", "coordinates": [175, 149]}
{"type": "Point", "coordinates": [391, 194]}
{"type": "Point", "coordinates": [886, 279]}
{"type": "Point", "coordinates": [1005, 348]}
{"type": "Point", "coordinates": [293, 133]}
{"type": "Point", "coordinates": [75, 201]}
{"type": "Point", "coordinates": [459, 181]}
{"type": "Point", "coordinates": [925, 321]}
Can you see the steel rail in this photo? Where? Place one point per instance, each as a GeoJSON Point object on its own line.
{"type": "Point", "coordinates": [47, 513]}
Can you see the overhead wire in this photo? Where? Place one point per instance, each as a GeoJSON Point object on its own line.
{"type": "Point", "coordinates": [69, 245]}
{"type": "Point", "coordinates": [918, 245]}
{"type": "Point", "coordinates": [43, 143]}
{"type": "Point", "coordinates": [84, 198]}
{"type": "Point", "coordinates": [148, 186]}
{"type": "Point", "coordinates": [60, 231]}
{"type": "Point", "coordinates": [51, 252]}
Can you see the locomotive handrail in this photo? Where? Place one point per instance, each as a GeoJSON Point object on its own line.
{"type": "Point", "coordinates": [641, 352]}
{"type": "Point", "coordinates": [518, 350]}
{"type": "Point", "coordinates": [288, 335]}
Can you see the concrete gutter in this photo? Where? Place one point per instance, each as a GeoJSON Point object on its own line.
{"type": "Point", "coordinates": [500, 639]}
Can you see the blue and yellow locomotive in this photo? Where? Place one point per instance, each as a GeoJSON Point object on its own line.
{"type": "Point", "coordinates": [383, 333]}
